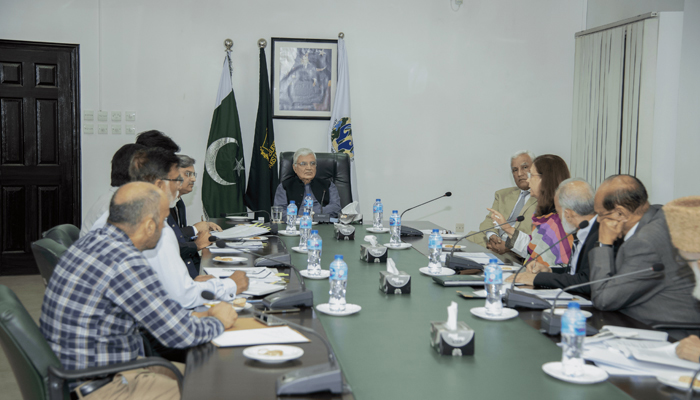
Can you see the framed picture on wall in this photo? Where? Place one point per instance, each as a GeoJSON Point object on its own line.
{"type": "Point", "coordinates": [304, 77]}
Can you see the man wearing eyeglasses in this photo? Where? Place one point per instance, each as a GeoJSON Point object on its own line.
{"type": "Point", "coordinates": [190, 238]}
{"type": "Point", "coordinates": [323, 192]}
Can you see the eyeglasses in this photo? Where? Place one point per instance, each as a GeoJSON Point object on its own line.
{"type": "Point", "coordinates": [530, 175]}
{"type": "Point", "coordinates": [190, 174]}
{"type": "Point", "coordinates": [179, 180]}
{"type": "Point", "coordinates": [304, 164]}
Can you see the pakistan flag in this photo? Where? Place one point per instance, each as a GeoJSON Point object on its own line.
{"type": "Point", "coordinates": [223, 184]}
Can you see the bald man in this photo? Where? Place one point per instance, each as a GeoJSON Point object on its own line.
{"type": "Point", "coordinates": [633, 236]}
{"type": "Point", "coordinates": [103, 290]}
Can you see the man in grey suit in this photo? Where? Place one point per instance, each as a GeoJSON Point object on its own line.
{"type": "Point", "coordinates": [633, 236]}
{"type": "Point", "coordinates": [512, 201]}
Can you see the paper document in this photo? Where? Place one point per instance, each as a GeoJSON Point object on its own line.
{"type": "Point", "coordinates": [254, 337]}
{"type": "Point", "coordinates": [481, 258]}
{"type": "Point", "coordinates": [228, 250]}
{"type": "Point", "coordinates": [644, 334]}
{"type": "Point", "coordinates": [665, 355]}
{"type": "Point", "coordinates": [259, 288]}
{"type": "Point", "coordinates": [252, 273]}
{"type": "Point", "coordinates": [241, 231]}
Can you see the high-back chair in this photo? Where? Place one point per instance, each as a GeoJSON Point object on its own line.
{"type": "Point", "coordinates": [333, 166]}
{"type": "Point", "coordinates": [65, 234]}
{"type": "Point", "coordinates": [46, 254]}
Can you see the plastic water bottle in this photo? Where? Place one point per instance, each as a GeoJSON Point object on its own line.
{"type": "Point", "coordinates": [435, 248]}
{"type": "Point", "coordinates": [377, 214]}
{"type": "Point", "coordinates": [313, 261]}
{"type": "Point", "coordinates": [395, 227]}
{"type": "Point", "coordinates": [493, 280]}
{"type": "Point", "coordinates": [573, 332]}
{"type": "Point", "coordinates": [305, 230]}
{"type": "Point", "coordinates": [339, 283]}
{"type": "Point", "coordinates": [291, 217]}
{"type": "Point", "coordinates": [308, 205]}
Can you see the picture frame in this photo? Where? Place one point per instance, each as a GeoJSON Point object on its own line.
{"type": "Point", "coordinates": [304, 78]}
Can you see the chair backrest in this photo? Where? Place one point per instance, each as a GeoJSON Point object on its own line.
{"type": "Point", "coordinates": [65, 234]}
{"type": "Point", "coordinates": [26, 348]}
{"type": "Point", "coordinates": [46, 254]}
{"type": "Point", "coordinates": [333, 166]}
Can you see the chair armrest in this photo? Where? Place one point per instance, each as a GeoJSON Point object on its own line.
{"type": "Point", "coordinates": [676, 325]}
{"type": "Point", "coordinates": [57, 376]}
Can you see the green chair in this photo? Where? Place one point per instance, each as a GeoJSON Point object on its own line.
{"type": "Point", "coordinates": [65, 234]}
{"type": "Point", "coordinates": [38, 371]}
{"type": "Point", "coordinates": [46, 254]}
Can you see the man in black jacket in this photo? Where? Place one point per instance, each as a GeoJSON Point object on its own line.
{"type": "Point", "coordinates": [574, 201]}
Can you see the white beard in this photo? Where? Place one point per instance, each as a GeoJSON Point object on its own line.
{"type": "Point", "coordinates": [568, 228]}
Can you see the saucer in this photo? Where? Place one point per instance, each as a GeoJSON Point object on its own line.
{"type": "Point", "coordinates": [324, 274]}
{"type": "Point", "coordinates": [349, 309]}
{"type": "Point", "coordinates": [443, 272]}
{"type": "Point", "coordinates": [400, 246]}
{"type": "Point", "coordinates": [674, 380]}
{"type": "Point", "coordinates": [508, 313]}
{"type": "Point", "coordinates": [285, 233]}
{"type": "Point", "coordinates": [273, 353]}
{"type": "Point", "coordinates": [299, 250]}
{"type": "Point", "coordinates": [378, 230]}
{"type": "Point", "coordinates": [230, 260]}
{"type": "Point", "coordinates": [591, 374]}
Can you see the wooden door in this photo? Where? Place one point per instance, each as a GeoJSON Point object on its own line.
{"type": "Point", "coordinates": [39, 146]}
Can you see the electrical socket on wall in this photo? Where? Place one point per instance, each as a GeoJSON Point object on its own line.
{"type": "Point", "coordinates": [459, 227]}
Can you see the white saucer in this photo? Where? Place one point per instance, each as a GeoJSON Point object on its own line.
{"type": "Point", "coordinates": [401, 246]}
{"type": "Point", "coordinates": [324, 274]}
{"type": "Point", "coordinates": [349, 309]}
{"type": "Point", "coordinates": [256, 238]}
{"type": "Point", "coordinates": [508, 313]}
{"type": "Point", "coordinates": [451, 236]}
{"type": "Point", "coordinates": [561, 311]}
{"type": "Point", "coordinates": [443, 272]}
{"type": "Point", "coordinates": [299, 250]}
{"type": "Point", "coordinates": [285, 233]}
{"type": "Point", "coordinates": [591, 373]}
{"type": "Point", "coordinates": [378, 230]}
{"type": "Point", "coordinates": [673, 380]}
{"type": "Point", "coordinates": [230, 260]}
{"type": "Point", "coordinates": [289, 353]}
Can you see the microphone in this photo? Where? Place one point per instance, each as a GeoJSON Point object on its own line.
{"type": "Point", "coordinates": [273, 227]}
{"type": "Point", "coordinates": [207, 295]}
{"type": "Point", "coordinates": [689, 394]}
{"type": "Point", "coordinates": [412, 231]}
{"type": "Point", "coordinates": [551, 323]}
{"type": "Point", "coordinates": [287, 298]}
{"type": "Point", "coordinates": [213, 238]}
{"type": "Point", "coordinates": [527, 300]}
{"type": "Point", "coordinates": [450, 262]}
{"type": "Point", "coordinates": [311, 379]}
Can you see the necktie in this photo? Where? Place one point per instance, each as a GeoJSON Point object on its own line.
{"type": "Point", "coordinates": [572, 267]}
{"type": "Point", "coordinates": [516, 210]}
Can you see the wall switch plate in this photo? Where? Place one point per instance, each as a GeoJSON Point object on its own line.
{"type": "Point", "coordinates": [88, 115]}
{"type": "Point", "coordinates": [116, 116]}
{"type": "Point", "coordinates": [102, 129]}
{"type": "Point", "coordinates": [102, 116]}
{"type": "Point", "coordinates": [88, 129]}
{"type": "Point", "coordinates": [116, 129]}
{"type": "Point", "coordinates": [130, 130]}
{"type": "Point", "coordinates": [459, 227]}
{"type": "Point", "coordinates": [130, 116]}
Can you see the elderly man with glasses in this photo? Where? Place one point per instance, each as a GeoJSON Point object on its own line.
{"type": "Point", "coordinates": [323, 192]}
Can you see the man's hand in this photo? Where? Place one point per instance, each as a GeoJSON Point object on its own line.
{"type": "Point", "coordinates": [241, 280]}
{"type": "Point", "coordinates": [203, 278]}
{"type": "Point", "coordinates": [498, 219]}
{"type": "Point", "coordinates": [689, 348]}
{"type": "Point", "coordinates": [535, 267]}
{"type": "Point", "coordinates": [202, 240]}
{"type": "Point", "coordinates": [523, 277]}
{"type": "Point", "coordinates": [610, 230]}
{"type": "Point", "coordinates": [225, 313]}
{"type": "Point", "coordinates": [496, 244]}
{"type": "Point", "coordinates": [214, 227]}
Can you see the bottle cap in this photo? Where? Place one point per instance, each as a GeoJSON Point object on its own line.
{"type": "Point", "coordinates": [574, 305]}
{"type": "Point", "coordinates": [340, 257]}
{"type": "Point", "coordinates": [436, 230]}
{"type": "Point", "coordinates": [493, 260]}
{"type": "Point", "coordinates": [395, 212]}
{"type": "Point", "coordinates": [306, 213]}
{"type": "Point", "coordinates": [291, 202]}
{"type": "Point", "coordinates": [378, 200]}
{"type": "Point", "coordinates": [314, 232]}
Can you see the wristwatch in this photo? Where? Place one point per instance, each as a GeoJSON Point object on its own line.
{"type": "Point", "coordinates": [604, 245]}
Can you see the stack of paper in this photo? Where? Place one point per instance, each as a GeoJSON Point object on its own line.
{"type": "Point", "coordinates": [564, 299]}
{"type": "Point", "coordinates": [241, 231]}
{"type": "Point", "coordinates": [481, 258]}
{"type": "Point", "coordinates": [252, 273]}
{"type": "Point", "coordinates": [254, 337]}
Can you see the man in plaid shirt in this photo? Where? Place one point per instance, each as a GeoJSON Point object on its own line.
{"type": "Point", "coordinates": [103, 289]}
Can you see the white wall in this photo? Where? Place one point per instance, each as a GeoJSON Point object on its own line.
{"type": "Point", "coordinates": [440, 98]}
{"type": "Point", "coordinates": [602, 12]}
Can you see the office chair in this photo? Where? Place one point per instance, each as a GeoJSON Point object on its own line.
{"type": "Point", "coordinates": [333, 166]}
{"type": "Point", "coordinates": [46, 254]}
{"type": "Point", "coordinates": [38, 371]}
{"type": "Point", "coordinates": [65, 234]}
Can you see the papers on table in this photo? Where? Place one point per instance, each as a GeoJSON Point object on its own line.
{"type": "Point", "coordinates": [241, 231]}
{"type": "Point", "coordinates": [252, 273]}
{"type": "Point", "coordinates": [257, 287]}
{"type": "Point", "coordinates": [550, 294]}
{"type": "Point", "coordinates": [253, 337]}
{"type": "Point", "coordinates": [481, 258]}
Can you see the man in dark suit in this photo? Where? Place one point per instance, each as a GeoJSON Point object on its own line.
{"type": "Point", "coordinates": [574, 203]}
{"type": "Point", "coordinates": [624, 213]}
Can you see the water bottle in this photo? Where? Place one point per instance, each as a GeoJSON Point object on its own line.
{"type": "Point", "coordinates": [308, 205]}
{"type": "Point", "coordinates": [377, 214]}
{"type": "Point", "coordinates": [395, 227]}
{"type": "Point", "coordinates": [573, 332]}
{"type": "Point", "coordinates": [339, 283]}
{"type": "Point", "coordinates": [313, 260]}
{"type": "Point", "coordinates": [305, 230]}
{"type": "Point", "coordinates": [435, 248]}
{"type": "Point", "coordinates": [291, 217]}
{"type": "Point", "coordinates": [493, 280]}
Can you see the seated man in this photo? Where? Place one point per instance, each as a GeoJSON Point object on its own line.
{"type": "Point", "coordinates": [574, 202]}
{"type": "Point", "coordinates": [513, 201]}
{"type": "Point", "coordinates": [297, 187]}
{"type": "Point", "coordinates": [158, 166]}
{"type": "Point", "coordinates": [103, 289]}
{"type": "Point", "coordinates": [193, 238]}
{"type": "Point", "coordinates": [624, 213]}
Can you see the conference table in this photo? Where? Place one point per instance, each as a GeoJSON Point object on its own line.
{"type": "Point", "coordinates": [384, 350]}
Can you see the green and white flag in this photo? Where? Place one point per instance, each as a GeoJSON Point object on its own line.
{"type": "Point", "coordinates": [223, 184]}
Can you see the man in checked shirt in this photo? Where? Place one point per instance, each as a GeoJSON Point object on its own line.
{"type": "Point", "coordinates": [103, 289]}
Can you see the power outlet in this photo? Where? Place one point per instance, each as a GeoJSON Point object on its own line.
{"type": "Point", "coordinates": [459, 227]}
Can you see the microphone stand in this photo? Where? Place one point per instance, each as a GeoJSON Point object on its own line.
{"type": "Point", "coordinates": [689, 395]}
{"type": "Point", "coordinates": [449, 259]}
{"type": "Point", "coordinates": [447, 194]}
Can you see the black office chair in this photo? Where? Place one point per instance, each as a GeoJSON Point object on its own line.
{"type": "Point", "coordinates": [333, 166]}
{"type": "Point", "coordinates": [46, 254]}
{"type": "Point", "coordinates": [37, 370]}
{"type": "Point", "coordinates": [65, 234]}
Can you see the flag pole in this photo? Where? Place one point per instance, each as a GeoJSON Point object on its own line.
{"type": "Point", "coordinates": [228, 43]}
{"type": "Point", "coordinates": [262, 43]}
